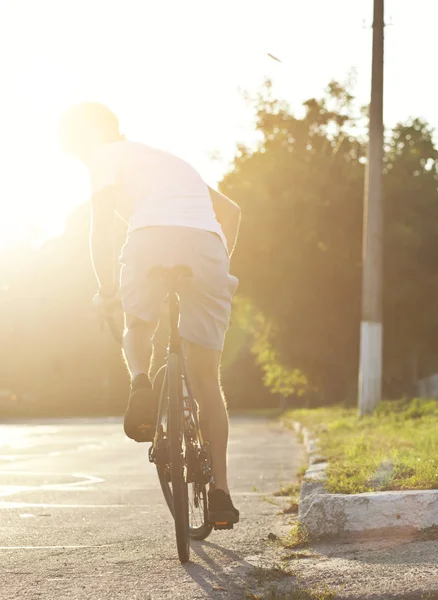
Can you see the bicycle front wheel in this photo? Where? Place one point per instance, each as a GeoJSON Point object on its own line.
{"type": "Point", "coordinates": [178, 471]}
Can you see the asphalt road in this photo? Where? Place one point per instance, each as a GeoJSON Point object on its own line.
{"type": "Point", "coordinates": [82, 515]}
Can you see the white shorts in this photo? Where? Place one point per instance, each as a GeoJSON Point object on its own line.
{"type": "Point", "coordinates": [205, 298]}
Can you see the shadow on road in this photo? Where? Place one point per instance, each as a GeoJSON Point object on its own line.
{"type": "Point", "coordinates": [213, 576]}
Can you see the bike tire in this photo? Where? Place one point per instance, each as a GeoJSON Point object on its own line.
{"type": "Point", "coordinates": [164, 480]}
{"type": "Point", "coordinates": [199, 527]}
{"type": "Point", "coordinates": [162, 470]}
{"type": "Point", "coordinates": [178, 468]}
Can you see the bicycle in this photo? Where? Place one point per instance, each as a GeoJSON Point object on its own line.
{"type": "Point", "coordinates": [179, 450]}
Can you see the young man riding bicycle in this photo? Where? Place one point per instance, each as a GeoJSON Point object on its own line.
{"type": "Point", "coordinates": [173, 218]}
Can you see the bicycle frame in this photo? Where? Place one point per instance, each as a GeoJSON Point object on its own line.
{"type": "Point", "coordinates": [190, 406]}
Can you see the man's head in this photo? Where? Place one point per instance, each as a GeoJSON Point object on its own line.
{"type": "Point", "coordinates": [85, 126]}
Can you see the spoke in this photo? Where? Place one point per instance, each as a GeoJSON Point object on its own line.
{"type": "Point", "coordinates": [193, 510]}
{"type": "Point", "coordinates": [192, 513]}
{"type": "Point", "coordinates": [197, 513]}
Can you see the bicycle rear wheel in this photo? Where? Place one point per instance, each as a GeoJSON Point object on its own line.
{"type": "Point", "coordinates": [163, 470]}
{"type": "Point", "coordinates": [199, 527]}
{"type": "Point", "coordinates": [178, 471]}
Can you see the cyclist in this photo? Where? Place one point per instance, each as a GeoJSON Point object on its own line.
{"type": "Point", "coordinates": [173, 218]}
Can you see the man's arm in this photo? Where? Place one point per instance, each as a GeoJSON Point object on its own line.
{"type": "Point", "coordinates": [228, 215]}
{"type": "Point", "coordinates": [102, 238]}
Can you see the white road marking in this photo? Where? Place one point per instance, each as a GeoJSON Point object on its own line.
{"type": "Point", "coordinates": [10, 490]}
{"type": "Point", "coordinates": [54, 547]}
{"type": "Point", "coordinates": [38, 473]}
{"type": "Point", "coordinates": [9, 505]}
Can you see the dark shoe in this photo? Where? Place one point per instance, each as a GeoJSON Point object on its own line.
{"type": "Point", "coordinates": [140, 416]}
{"type": "Point", "coordinates": [221, 512]}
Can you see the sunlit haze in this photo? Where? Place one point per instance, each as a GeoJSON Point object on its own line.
{"type": "Point", "coordinates": [174, 73]}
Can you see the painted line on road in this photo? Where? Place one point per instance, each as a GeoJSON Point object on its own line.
{"type": "Point", "coordinates": [9, 505]}
{"type": "Point", "coordinates": [58, 487]}
{"type": "Point", "coordinates": [37, 473]}
{"type": "Point", "coordinates": [57, 547]}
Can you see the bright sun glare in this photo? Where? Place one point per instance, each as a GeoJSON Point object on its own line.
{"type": "Point", "coordinates": [35, 196]}
{"type": "Point", "coordinates": [175, 84]}
{"type": "Point", "coordinates": [148, 68]}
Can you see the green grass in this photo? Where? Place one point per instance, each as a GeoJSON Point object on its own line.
{"type": "Point", "coordinates": [297, 536]}
{"type": "Point", "coordinates": [301, 472]}
{"type": "Point", "coordinates": [292, 489]}
{"type": "Point", "coordinates": [394, 449]}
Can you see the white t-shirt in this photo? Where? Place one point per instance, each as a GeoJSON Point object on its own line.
{"type": "Point", "coordinates": [160, 189]}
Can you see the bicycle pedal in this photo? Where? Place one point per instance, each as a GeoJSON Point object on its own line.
{"type": "Point", "coordinates": [223, 525]}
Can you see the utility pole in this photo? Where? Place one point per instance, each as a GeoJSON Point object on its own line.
{"type": "Point", "coordinates": [370, 369]}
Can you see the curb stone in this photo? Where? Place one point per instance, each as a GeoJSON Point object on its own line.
{"type": "Point", "coordinates": [370, 514]}
{"type": "Point", "coordinates": [313, 481]}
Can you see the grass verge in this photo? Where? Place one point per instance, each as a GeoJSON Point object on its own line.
{"type": "Point", "coordinates": [394, 449]}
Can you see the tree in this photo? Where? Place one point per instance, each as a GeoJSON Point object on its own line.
{"type": "Point", "coordinates": [299, 256]}
{"type": "Point", "coordinates": [410, 255]}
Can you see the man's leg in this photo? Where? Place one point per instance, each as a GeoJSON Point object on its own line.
{"type": "Point", "coordinates": [140, 414]}
{"type": "Point", "coordinates": [137, 345]}
{"type": "Point", "coordinates": [203, 368]}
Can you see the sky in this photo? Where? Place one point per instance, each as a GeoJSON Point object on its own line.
{"type": "Point", "coordinates": [174, 72]}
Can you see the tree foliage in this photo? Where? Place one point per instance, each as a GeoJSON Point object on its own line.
{"type": "Point", "coordinates": [299, 256]}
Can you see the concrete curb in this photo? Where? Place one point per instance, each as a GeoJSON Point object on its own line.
{"type": "Point", "coordinates": [372, 514]}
